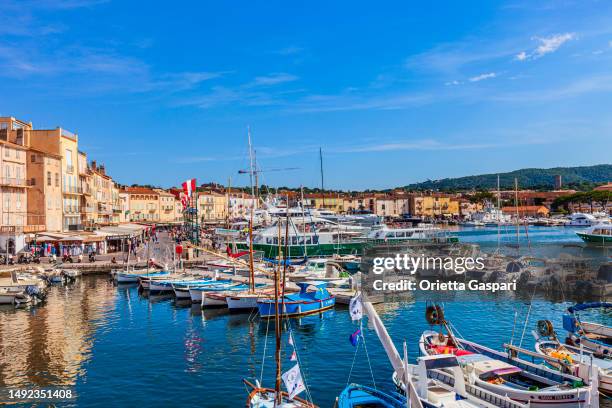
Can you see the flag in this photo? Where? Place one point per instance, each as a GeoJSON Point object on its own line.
{"type": "Point", "coordinates": [290, 339]}
{"type": "Point", "coordinates": [354, 338]}
{"type": "Point", "coordinates": [184, 201]}
{"type": "Point", "coordinates": [356, 308]}
{"type": "Point", "coordinates": [293, 381]}
{"type": "Point", "coordinates": [189, 187]}
{"type": "Point", "coordinates": [293, 356]}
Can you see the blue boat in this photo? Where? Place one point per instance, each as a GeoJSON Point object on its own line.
{"type": "Point", "coordinates": [355, 395]}
{"type": "Point", "coordinates": [595, 337]}
{"type": "Point", "coordinates": [312, 298]}
{"type": "Point", "coordinates": [168, 285]}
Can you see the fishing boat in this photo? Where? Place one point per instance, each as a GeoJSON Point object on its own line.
{"type": "Point", "coordinates": [502, 374]}
{"type": "Point", "coordinates": [598, 234]}
{"type": "Point", "coordinates": [435, 381]}
{"type": "Point", "coordinates": [9, 296]}
{"type": "Point", "coordinates": [595, 337]}
{"type": "Point", "coordinates": [196, 293]}
{"type": "Point", "coordinates": [571, 359]}
{"type": "Point", "coordinates": [133, 275]}
{"type": "Point", "coordinates": [313, 297]}
{"type": "Point", "coordinates": [239, 293]}
{"type": "Point", "coordinates": [428, 233]}
{"type": "Point", "coordinates": [157, 286]}
{"type": "Point", "coordinates": [355, 396]}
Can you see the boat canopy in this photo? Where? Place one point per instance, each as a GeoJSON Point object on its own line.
{"type": "Point", "coordinates": [585, 306]}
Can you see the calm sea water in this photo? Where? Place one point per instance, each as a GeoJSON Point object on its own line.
{"type": "Point", "coordinates": [116, 347]}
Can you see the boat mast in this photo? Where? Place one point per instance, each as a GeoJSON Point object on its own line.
{"type": "Point", "coordinates": [251, 265]}
{"type": "Point", "coordinates": [303, 221]}
{"type": "Point", "coordinates": [277, 325]}
{"type": "Point", "coordinates": [229, 193]}
{"type": "Point", "coordinates": [322, 186]}
{"type": "Point", "coordinates": [517, 212]}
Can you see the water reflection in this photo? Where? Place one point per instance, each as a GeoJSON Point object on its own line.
{"type": "Point", "coordinates": [49, 344]}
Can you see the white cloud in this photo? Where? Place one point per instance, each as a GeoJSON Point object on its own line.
{"type": "Point", "coordinates": [455, 82]}
{"type": "Point", "coordinates": [521, 56]}
{"type": "Point", "coordinates": [482, 77]}
{"type": "Point", "coordinates": [273, 79]}
{"type": "Point", "coordinates": [552, 44]}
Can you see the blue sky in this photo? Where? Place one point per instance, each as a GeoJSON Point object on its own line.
{"type": "Point", "coordinates": [394, 92]}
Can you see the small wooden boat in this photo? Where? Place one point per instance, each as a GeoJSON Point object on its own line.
{"type": "Point", "coordinates": [157, 286]}
{"type": "Point", "coordinates": [260, 397]}
{"type": "Point", "coordinates": [505, 375]}
{"type": "Point", "coordinates": [595, 337]}
{"type": "Point", "coordinates": [356, 396]}
{"type": "Point", "coordinates": [312, 298]}
{"type": "Point", "coordinates": [571, 359]}
{"type": "Point", "coordinates": [196, 293]}
{"type": "Point", "coordinates": [133, 275]}
{"type": "Point", "coordinates": [13, 297]}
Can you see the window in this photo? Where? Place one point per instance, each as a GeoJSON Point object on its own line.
{"type": "Point", "coordinates": [49, 178]}
{"type": "Point", "coordinates": [33, 158]}
{"type": "Point", "coordinates": [56, 179]}
{"type": "Point", "coordinates": [33, 181]}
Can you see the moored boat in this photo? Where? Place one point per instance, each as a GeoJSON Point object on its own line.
{"type": "Point", "coordinates": [598, 234]}
{"type": "Point", "coordinates": [502, 374]}
{"type": "Point", "coordinates": [313, 297]}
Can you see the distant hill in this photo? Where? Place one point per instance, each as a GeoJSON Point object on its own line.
{"type": "Point", "coordinates": [580, 178]}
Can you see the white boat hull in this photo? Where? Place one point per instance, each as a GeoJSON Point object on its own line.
{"type": "Point", "coordinates": [125, 278]}
{"type": "Point", "coordinates": [156, 287]}
{"type": "Point", "coordinates": [567, 398]}
{"type": "Point", "coordinates": [241, 302]}
{"type": "Point", "coordinates": [13, 298]}
{"type": "Point", "coordinates": [195, 295]}
{"type": "Point", "coordinates": [213, 300]}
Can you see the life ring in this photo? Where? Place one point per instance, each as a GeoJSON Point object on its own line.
{"type": "Point", "coordinates": [434, 314]}
{"type": "Point", "coordinates": [545, 328]}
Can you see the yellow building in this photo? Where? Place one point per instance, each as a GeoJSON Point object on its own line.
{"type": "Point", "coordinates": [102, 193]}
{"type": "Point", "coordinates": [143, 204]}
{"type": "Point", "coordinates": [212, 207]}
{"type": "Point", "coordinates": [166, 206]}
{"type": "Point", "coordinates": [63, 143]}
{"type": "Point", "coordinates": [434, 205]}
{"type": "Point", "coordinates": [45, 194]}
{"type": "Point", "coordinates": [327, 201]}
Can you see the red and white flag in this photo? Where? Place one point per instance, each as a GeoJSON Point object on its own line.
{"type": "Point", "coordinates": [189, 187]}
{"type": "Point", "coordinates": [293, 356]}
{"type": "Point", "coordinates": [184, 201]}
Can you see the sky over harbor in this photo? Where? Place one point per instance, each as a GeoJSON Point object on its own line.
{"type": "Point", "coordinates": [393, 92]}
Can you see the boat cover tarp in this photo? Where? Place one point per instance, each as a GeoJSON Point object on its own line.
{"type": "Point", "coordinates": [585, 306]}
{"type": "Point", "coordinates": [289, 261]}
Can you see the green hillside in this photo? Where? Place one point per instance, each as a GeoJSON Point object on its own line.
{"type": "Point", "coordinates": [580, 178]}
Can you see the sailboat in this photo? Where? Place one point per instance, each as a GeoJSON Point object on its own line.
{"type": "Point", "coordinates": [262, 397]}
{"type": "Point", "coordinates": [593, 336]}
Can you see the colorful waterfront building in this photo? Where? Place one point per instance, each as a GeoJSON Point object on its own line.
{"type": "Point", "coordinates": [142, 203]}
{"type": "Point", "coordinates": [325, 201]}
{"type": "Point", "coordinates": [527, 210]}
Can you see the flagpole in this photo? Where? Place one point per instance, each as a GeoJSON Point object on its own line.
{"type": "Point", "coordinates": [277, 326]}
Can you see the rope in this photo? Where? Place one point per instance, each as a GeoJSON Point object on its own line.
{"type": "Point", "coordinates": [528, 313]}
{"type": "Point", "coordinates": [263, 359]}
{"type": "Point", "coordinates": [365, 346]}
{"type": "Point", "coordinates": [348, 380]}
{"type": "Point", "coordinates": [299, 360]}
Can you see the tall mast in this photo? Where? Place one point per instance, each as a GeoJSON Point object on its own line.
{"type": "Point", "coordinates": [229, 194]}
{"type": "Point", "coordinates": [277, 325]}
{"type": "Point", "coordinates": [255, 175]}
{"type": "Point", "coordinates": [251, 265]}
{"type": "Point", "coordinates": [517, 211]}
{"type": "Point", "coordinates": [322, 185]}
{"type": "Point", "coordinates": [303, 221]}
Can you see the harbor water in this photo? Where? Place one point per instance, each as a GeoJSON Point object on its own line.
{"type": "Point", "coordinates": [115, 346]}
